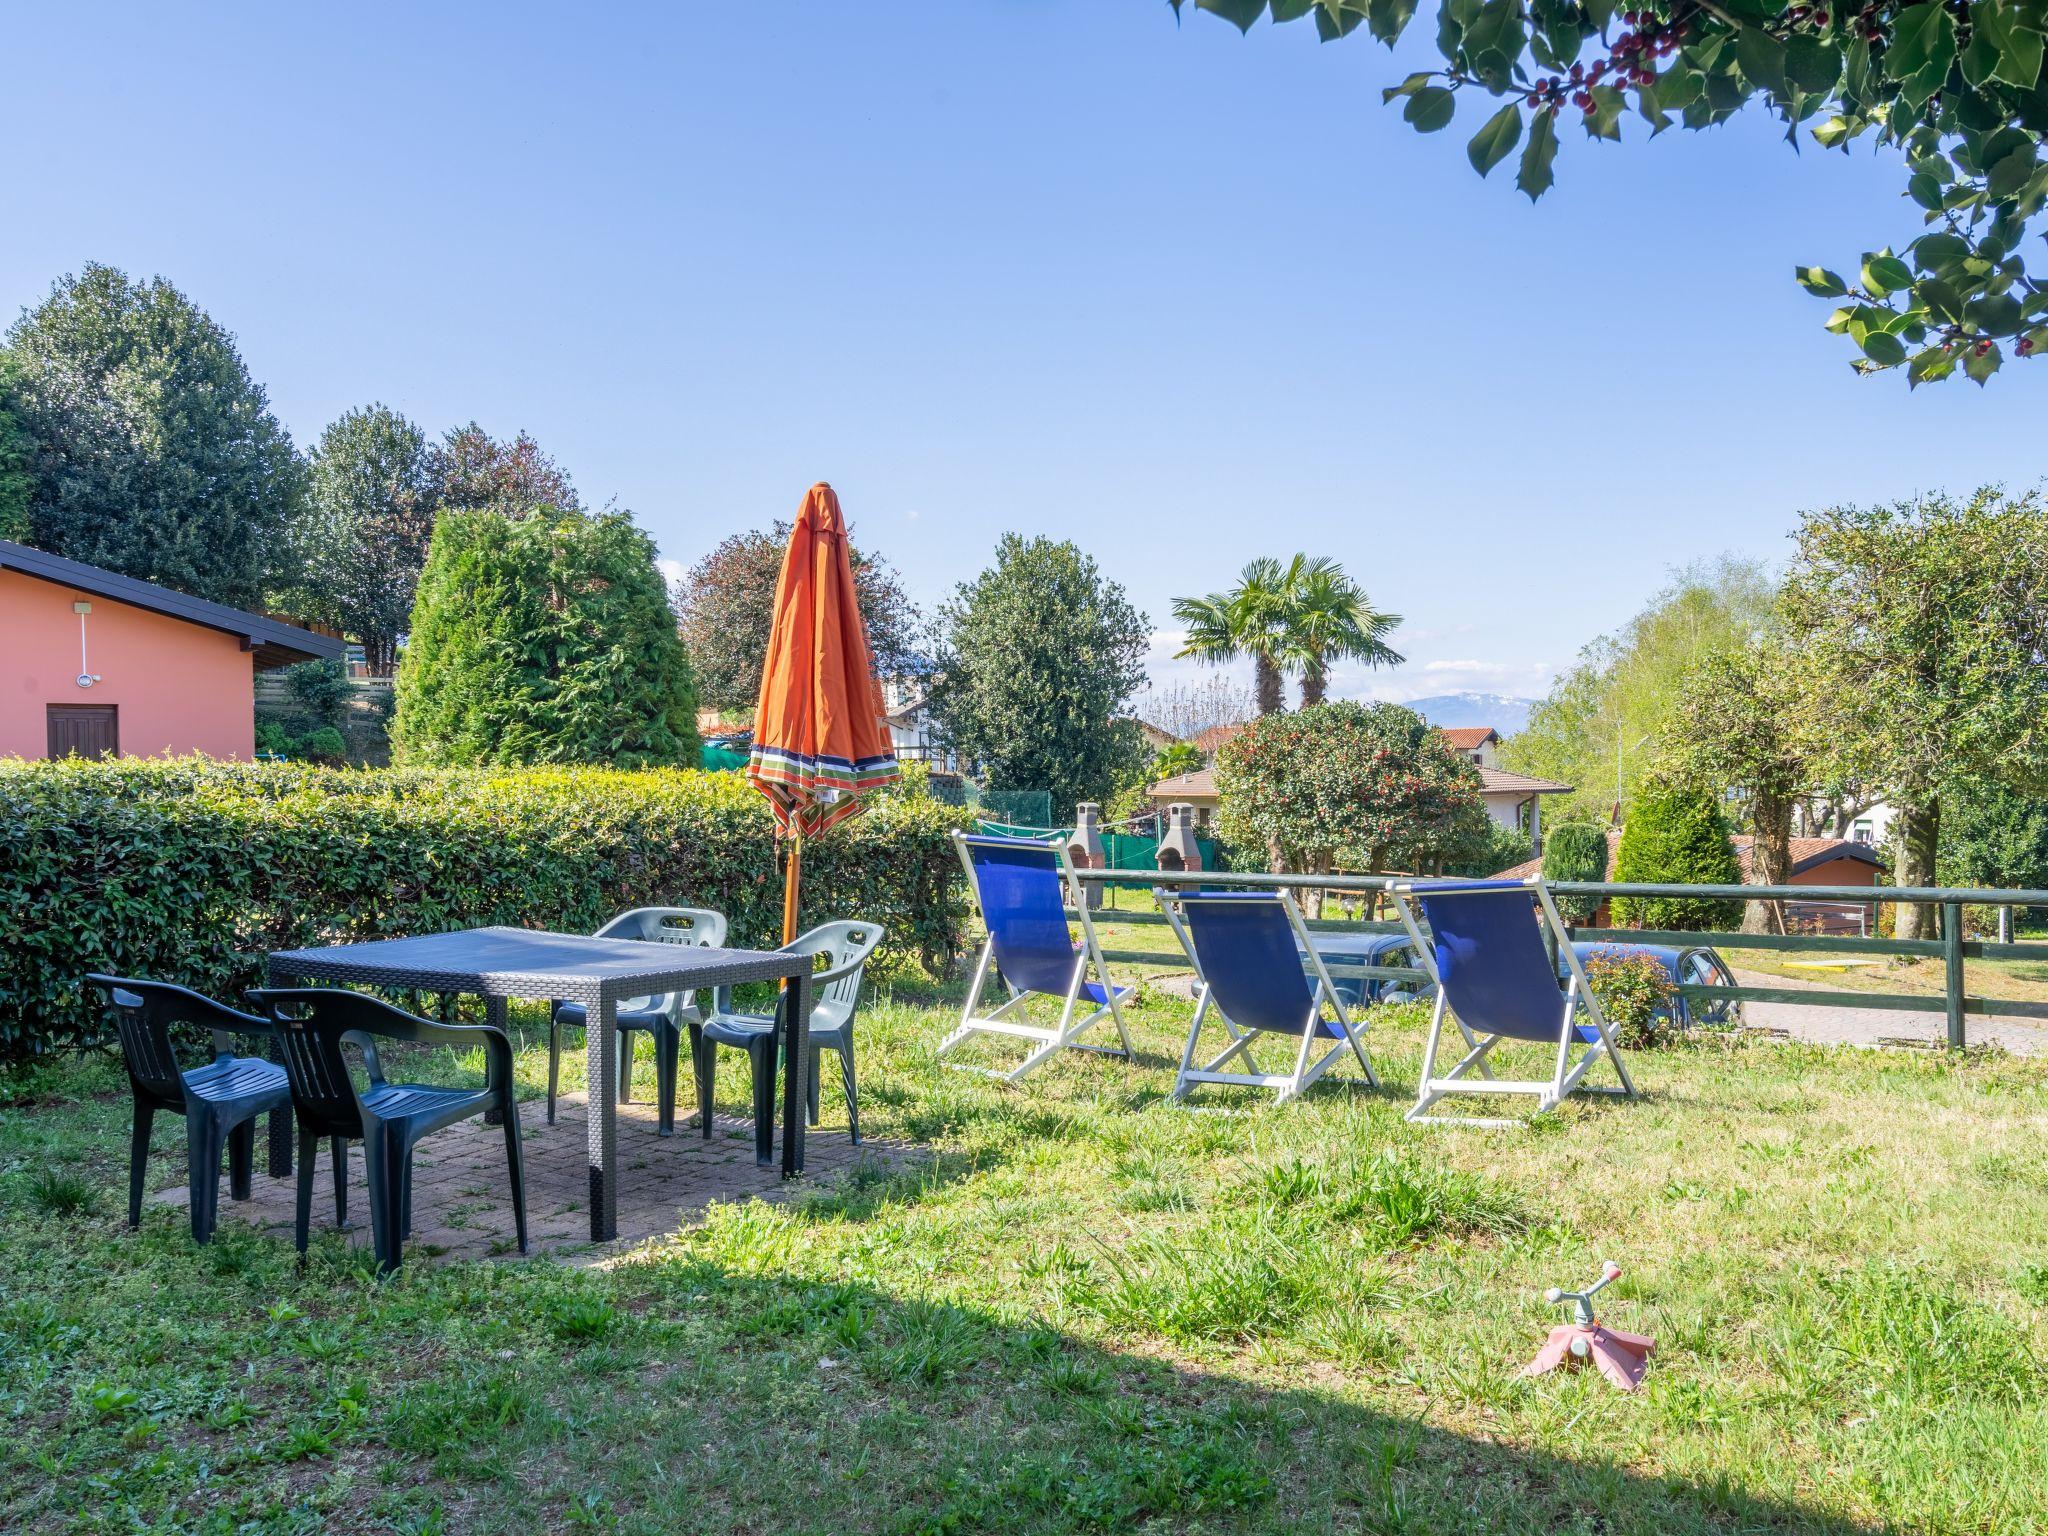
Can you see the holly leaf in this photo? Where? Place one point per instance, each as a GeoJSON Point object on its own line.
{"type": "Point", "coordinates": [2013, 170]}
{"type": "Point", "coordinates": [2014, 38]}
{"type": "Point", "coordinates": [1884, 349]}
{"type": "Point", "coordinates": [1930, 366]}
{"type": "Point", "coordinates": [1883, 274]}
{"type": "Point", "coordinates": [1390, 18]}
{"type": "Point", "coordinates": [1239, 13]}
{"type": "Point", "coordinates": [1820, 282]}
{"type": "Point", "coordinates": [1493, 142]}
{"type": "Point", "coordinates": [1408, 87]}
{"type": "Point", "coordinates": [1290, 10]}
{"type": "Point", "coordinates": [1535, 177]}
{"type": "Point", "coordinates": [1334, 20]}
{"type": "Point", "coordinates": [1813, 64]}
{"type": "Point", "coordinates": [1922, 48]}
{"type": "Point", "coordinates": [1981, 365]}
{"type": "Point", "coordinates": [1762, 58]}
{"type": "Point", "coordinates": [1494, 39]}
{"type": "Point", "coordinates": [1431, 108]}
{"type": "Point", "coordinates": [1604, 121]}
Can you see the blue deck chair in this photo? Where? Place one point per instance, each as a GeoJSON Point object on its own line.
{"type": "Point", "coordinates": [1495, 982]}
{"type": "Point", "coordinates": [1253, 963]}
{"type": "Point", "coordinates": [1024, 888]}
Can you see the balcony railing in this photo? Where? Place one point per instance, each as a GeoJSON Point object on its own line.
{"type": "Point", "coordinates": [1956, 1003]}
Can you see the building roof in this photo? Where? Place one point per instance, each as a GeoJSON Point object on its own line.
{"type": "Point", "coordinates": [1211, 741]}
{"type": "Point", "coordinates": [1807, 853]}
{"type": "Point", "coordinates": [274, 642]}
{"type": "Point", "coordinates": [1198, 785]}
{"type": "Point", "coordinates": [1492, 781]}
{"type": "Point", "coordinates": [1498, 781]}
{"type": "Point", "coordinates": [1156, 736]}
{"type": "Point", "coordinates": [1469, 738]}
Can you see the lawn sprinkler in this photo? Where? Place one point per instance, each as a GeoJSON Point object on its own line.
{"type": "Point", "coordinates": [1620, 1356]}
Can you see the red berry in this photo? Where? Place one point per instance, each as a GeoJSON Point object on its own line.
{"type": "Point", "coordinates": [2024, 345]}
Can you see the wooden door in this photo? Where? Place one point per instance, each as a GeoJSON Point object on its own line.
{"type": "Point", "coordinates": [84, 730]}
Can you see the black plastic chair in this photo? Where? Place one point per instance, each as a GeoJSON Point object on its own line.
{"type": "Point", "coordinates": [220, 1100]}
{"type": "Point", "coordinates": [835, 994]}
{"type": "Point", "coordinates": [312, 1025]}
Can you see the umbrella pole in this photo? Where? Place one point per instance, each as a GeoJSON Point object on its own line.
{"type": "Point", "coordinates": [792, 878]}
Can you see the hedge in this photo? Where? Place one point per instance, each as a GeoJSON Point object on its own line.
{"type": "Point", "coordinates": [192, 870]}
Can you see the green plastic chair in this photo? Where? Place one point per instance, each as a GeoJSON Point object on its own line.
{"type": "Point", "coordinates": [390, 1119]}
{"type": "Point", "coordinates": [663, 1017]}
{"type": "Point", "coordinates": [835, 996]}
{"type": "Point", "coordinates": [221, 1099]}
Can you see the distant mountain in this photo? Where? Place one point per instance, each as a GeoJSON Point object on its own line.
{"type": "Point", "coordinates": [1506, 715]}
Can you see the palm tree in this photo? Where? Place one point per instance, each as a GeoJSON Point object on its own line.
{"type": "Point", "coordinates": [1246, 621]}
{"type": "Point", "coordinates": [1330, 619]}
{"type": "Point", "coordinates": [1300, 617]}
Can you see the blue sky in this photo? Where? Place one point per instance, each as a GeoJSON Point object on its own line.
{"type": "Point", "coordinates": [1057, 266]}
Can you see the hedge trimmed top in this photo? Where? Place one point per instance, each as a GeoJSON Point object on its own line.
{"type": "Point", "coordinates": [192, 870]}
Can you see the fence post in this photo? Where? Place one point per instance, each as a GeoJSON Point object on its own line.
{"type": "Point", "coordinates": [1952, 968]}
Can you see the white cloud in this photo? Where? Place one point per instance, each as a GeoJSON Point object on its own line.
{"type": "Point", "coordinates": [672, 571]}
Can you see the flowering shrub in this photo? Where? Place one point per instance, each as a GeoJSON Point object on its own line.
{"type": "Point", "coordinates": [1635, 993]}
{"type": "Point", "coordinates": [192, 870]}
{"type": "Point", "coordinates": [1372, 782]}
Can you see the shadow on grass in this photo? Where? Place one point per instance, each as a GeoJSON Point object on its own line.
{"type": "Point", "coordinates": [1020, 1427]}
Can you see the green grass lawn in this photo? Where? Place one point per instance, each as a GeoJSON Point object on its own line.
{"type": "Point", "coordinates": [1094, 1311]}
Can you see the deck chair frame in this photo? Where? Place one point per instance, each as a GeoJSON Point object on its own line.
{"type": "Point", "coordinates": [1305, 1072]}
{"type": "Point", "coordinates": [1472, 1074]}
{"type": "Point", "coordinates": [1048, 1040]}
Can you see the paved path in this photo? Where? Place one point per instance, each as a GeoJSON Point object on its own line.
{"type": "Point", "coordinates": [1826, 1024]}
{"type": "Point", "coordinates": [462, 1204]}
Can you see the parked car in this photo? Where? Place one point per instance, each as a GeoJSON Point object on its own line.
{"type": "Point", "coordinates": [1693, 965]}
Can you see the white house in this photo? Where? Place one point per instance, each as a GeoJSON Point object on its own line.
{"type": "Point", "coordinates": [1475, 741]}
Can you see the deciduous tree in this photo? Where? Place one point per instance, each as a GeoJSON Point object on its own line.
{"type": "Point", "coordinates": [1039, 655]}
{"type": "Point", "coordinates": [17, 484]}
{"type": "Point", "coordinates": [1924, 626]}
{"type": "Point", "coordinates": [727, 608]}
{"type": "Point", "coordinates": [1742, 725]}
{"type": "Point", "coordinates": [155, 454]}
{"type": "Point", "coordinates": [359, 546]}
{"type": "Point", "coordinates": [516, 478]}
{"type": "Point", "coordinates": [1185, 710]}
{"type": "Point", "coordinates": [1599, 726]}
{"type": "Point", "coordinates": [1954, 89]}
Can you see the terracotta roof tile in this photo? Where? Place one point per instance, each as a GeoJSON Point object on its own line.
{"type": "Point", "coordinates": [1469, 738]}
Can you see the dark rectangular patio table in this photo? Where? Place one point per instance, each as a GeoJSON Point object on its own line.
{"type": "Point", "coordinates": [501, 963]}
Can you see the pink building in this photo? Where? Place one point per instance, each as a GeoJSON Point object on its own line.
{"type": "Point", "coordinates": [108, 666]}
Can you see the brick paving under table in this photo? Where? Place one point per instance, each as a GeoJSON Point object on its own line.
{"type": "Point", "coordinates": [462, 1200]}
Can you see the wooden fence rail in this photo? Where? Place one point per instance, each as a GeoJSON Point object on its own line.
{"type": "Point", "coordinates": [1956, 1003]}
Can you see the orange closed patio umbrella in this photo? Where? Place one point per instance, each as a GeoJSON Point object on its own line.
{"type": "Point", "coordinates": [819, 740]}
